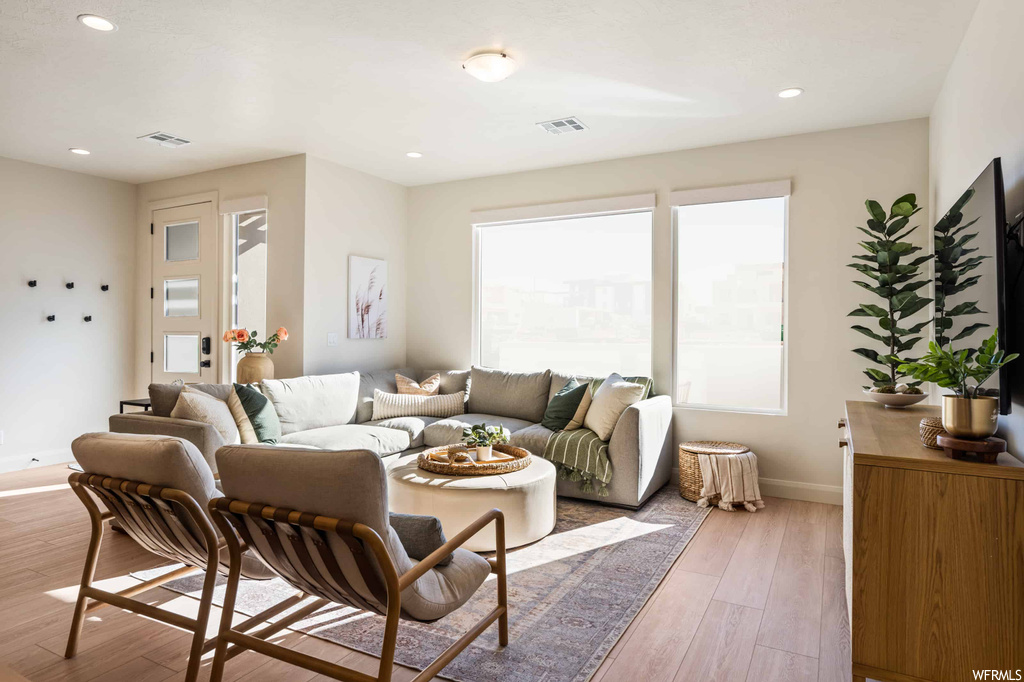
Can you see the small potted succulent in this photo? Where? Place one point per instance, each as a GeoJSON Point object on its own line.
{"type": "Point", "coordinates": [483, 437]}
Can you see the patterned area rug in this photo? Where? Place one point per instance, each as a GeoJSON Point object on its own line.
{"type": "Point", "coordinates": [571, 596]}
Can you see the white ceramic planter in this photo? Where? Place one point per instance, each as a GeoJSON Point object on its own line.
{"type": "Point", "coordinates": [484, 453]}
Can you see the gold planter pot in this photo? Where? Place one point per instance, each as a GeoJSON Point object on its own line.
{"type": "Point", "coordinates": [970, 417]}
{"type": "Point", "coordinates": [254, 368]}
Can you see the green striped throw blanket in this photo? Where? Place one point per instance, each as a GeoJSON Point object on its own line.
{"type": "Point", "coordinates": [581, 456]}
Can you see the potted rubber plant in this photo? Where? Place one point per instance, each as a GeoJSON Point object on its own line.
{"type": "Point", "coordinates": [966, 413]}
{"type": "Point", "coordinates": [483, 438]}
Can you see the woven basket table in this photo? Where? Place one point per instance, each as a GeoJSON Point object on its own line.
{"type": "Point", "coordinates": [733, 471]}
{"type": "Point", "coordinates": [460, 462]}
{"type": "Point", "coordinates": [690, 479]}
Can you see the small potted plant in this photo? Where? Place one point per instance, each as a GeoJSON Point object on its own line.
{"type": "Point", "coordinates": [967, 413]}
{"type": "Point", "coordinates": [483, 437]}
{"type": "Point", "coordinates": [256, 365]}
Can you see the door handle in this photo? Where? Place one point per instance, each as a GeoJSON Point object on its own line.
{"type": "Point", "coordinates": [206, 345]}
{"type": "Point", "coordinates": [204, 363]}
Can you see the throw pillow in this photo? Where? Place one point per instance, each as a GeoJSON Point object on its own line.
{"type": "Point", "coordinates": [261, 413]}
{"type": "Point", "coordinates": [563, 406]}
{"type": "Point", "coordinates": [646, 382]}
{"type": "Point", "coordinates": [581, 410]}
{"type": "Point", "coordinates": [430, 386]}
{"type": "Point", "coordinates": [197, 406]}
{"type": "Point", "coordinates": [245, 431]}
{"type": "Point", "coordinates": [420, 535]}
{"type": "Point", "coordinates": [388, 405]}
{"type": "Point", "coordinates": [610, 400]}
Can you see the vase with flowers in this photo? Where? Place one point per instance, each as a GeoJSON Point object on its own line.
{"type": "Point", "coordinates": [255, 365]}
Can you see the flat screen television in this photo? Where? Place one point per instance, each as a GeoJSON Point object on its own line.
{"type": "Point", "coordinates": [987, 259]}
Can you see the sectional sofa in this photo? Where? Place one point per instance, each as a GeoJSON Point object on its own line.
{"type": "Point", "coordinates": [335, 412]}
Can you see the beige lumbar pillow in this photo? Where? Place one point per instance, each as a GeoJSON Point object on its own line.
{"type": "Point", "coordinates": [609, 402]}
{"type": "Point", "coordinates": [429, 386]}
{"type": "Point", "coordinates": [197, 406]}
{"type": "Point", "coordinates": [390, 405]}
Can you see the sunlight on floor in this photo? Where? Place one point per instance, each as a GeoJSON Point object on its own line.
{"type": "Point", "coordinates": [70, 594]}
{"type": "Point", "coordinates": [33, 491]}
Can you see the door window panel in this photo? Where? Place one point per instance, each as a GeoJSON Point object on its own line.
{"type": "Point", "coordinates": [181, 353]}
{"type": "Point", "coordinates": [181, 297]}
{"type": "Point", "coordinates": [181, 241]}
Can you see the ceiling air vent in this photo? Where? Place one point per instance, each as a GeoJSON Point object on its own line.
{"type": "Point", "coordinates": [563, 125]}
{"type": "Point", "coordinates": [166, 139]}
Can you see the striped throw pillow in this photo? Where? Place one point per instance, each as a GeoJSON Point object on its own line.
{"type": "Point", "coordinates": [430, 386]}
{"type": "Point", "coordinates": [388, 405]}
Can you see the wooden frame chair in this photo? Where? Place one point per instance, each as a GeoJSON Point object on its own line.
{"type": "Point", "coordinates": [298, 530]}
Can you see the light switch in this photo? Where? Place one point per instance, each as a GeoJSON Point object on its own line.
{"type": "Point", "coordinates": [332, 338]}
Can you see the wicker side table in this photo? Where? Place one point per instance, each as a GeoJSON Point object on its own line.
{"type": "Point", "coordinates": [739, 464]}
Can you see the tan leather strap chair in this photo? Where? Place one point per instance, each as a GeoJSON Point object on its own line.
{"type": "Point", "coordinates": [158, 489]}
{"type": "Point", "coordinates": [319, 519]}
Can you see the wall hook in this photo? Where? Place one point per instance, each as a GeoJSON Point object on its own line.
{"type": "Point", "coordinates": [88, 318]}
{"type": "Point", "coordinates": [70, 285]}
{"type": "Point", "coordinates": [31, 282]}
{"type": "Point", "coordinates": [51, 318]}
{"type": "Point", "coordinates": [104, 287]}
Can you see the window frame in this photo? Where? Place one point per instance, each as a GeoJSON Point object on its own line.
{"type": "Point", "coordinates": [781, 189]}
{"type": "Point", "coordinates": [530, 215]}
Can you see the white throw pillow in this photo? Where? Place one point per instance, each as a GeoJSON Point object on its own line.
{"type": "Point", "coordinates": [609, 402]}
{"type": "Point", "coordinates": [389, 405]}
{"type": "Point", "coordinates": [311, 402]}
{"type": "Point", "coordinates": [194, 405]}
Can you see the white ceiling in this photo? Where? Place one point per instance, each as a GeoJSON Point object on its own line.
{"type": "Point", "coordinates": [363, 82]}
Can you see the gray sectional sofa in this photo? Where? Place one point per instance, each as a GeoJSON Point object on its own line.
{"type": "Point", "coordinates": [335, 412]}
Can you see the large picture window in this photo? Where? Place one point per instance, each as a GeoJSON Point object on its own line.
{"type": "Point", "coordinates": [572, 294]}
{"type": "Point", "coordinates": [730, 350]}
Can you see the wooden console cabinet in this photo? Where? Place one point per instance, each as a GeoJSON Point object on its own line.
{"type": "Point", "coordinates": [934, 553]}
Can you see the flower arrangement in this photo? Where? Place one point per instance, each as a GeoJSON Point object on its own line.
{"type": "Point", "coordinates": [481, 436]}
{"type": "Point", "coordinates": [246, 341]}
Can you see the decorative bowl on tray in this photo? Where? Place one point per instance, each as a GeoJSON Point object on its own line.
{"type": "Point", "coordinates": [896, 400]}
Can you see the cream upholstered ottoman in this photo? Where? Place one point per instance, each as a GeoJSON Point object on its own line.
{"type": "Point", "coordinates": [526, 497]}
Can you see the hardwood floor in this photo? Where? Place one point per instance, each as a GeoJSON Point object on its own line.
{"type": "Point", "coordinates": [754, 598]}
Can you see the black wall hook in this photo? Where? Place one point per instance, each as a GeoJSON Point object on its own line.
{"type": "Point", "coordinates": [70, 285]}
{"type": "Point", "coordinates": [51, 318]}
{"type": "Point", "coordinates": [87, 318]}
{"type": "Point", "coordinates": [104, 287]}
{"type": "Point", "coordinates": [31, 282]}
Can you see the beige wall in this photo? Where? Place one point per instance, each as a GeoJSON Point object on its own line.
{"type": "Point", "coordinates": [832, 172]}
{"type": "Point", "coordinates": [283, 182]}
{"type": "Point", "coordinates": [64, 378]}
{"type": "Point", "coordinates": [350, 213]}
{"type": "Point", "coordinates": [978, 116]}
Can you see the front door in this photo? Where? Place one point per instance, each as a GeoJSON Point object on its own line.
{"type": "Point", "coordinates": [185, 301]}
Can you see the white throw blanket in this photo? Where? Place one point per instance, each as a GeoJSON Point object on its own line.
{"type": "Point", "coordinates": [733, 478]}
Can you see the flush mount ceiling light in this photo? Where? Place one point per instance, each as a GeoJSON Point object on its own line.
{"type": "Point", "coordinates": [96, 22]}
{"type": "Point", "coordinates": [490, 67]}
{"type": "Point", "coordinates": [791, 92]}
{"type": "Point", "coordinates": [413, 155]}
{"type": "Point", "coordinates": [80, 151]}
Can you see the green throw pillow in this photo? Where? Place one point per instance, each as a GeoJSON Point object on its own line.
{"type": "Point", "coordinates": [563, 405]}
{"type": "Point", "coordinates": [261, 413]}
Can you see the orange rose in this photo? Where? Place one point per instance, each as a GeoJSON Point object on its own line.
{"type": "Point", "coordinates": [282, 333]}
{"type": "Point", "coordinates": [229, 336]}
{"type": "Point", "coordinates": [241, 335]}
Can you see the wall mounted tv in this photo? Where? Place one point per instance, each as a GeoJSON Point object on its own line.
{"type": "Point", "coordinates": [971, 271]}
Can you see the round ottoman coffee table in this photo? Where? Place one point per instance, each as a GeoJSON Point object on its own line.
{"type": "Point", "coordinates": [526, 497]}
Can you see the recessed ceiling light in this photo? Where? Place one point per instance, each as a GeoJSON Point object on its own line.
{"type": "Point", "coordinates": [79, 150]}
{"type": "Point", "coordinates": [490, 67]}
{"type": "Point", "coordinates": [413, 155]}
{"type": "Point", "coordinates": [96, 22]}
{"type": "Point", "coordinates": [791, 92]}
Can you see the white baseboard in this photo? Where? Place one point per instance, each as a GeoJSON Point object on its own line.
{"type": "Point", "coordinates": [30, 460]}
{"type": "Point", "coordinates": [797, 490]}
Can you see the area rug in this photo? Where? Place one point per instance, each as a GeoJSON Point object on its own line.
{"type": "Point", "coordinates": [571, 596]}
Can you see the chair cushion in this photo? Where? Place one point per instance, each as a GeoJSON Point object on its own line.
{"type": "Point", "coordinates": [445, 588]}
{"type": "Point", "coordinates": [533, 438]}
{"type": "Point", "coordinates": [448, 431]}
{"type": "Point", "coordinates": [163, 397]}
{"type": "Point", "coordinates": [312, 402]}
{"type": "Point", "coordinates": [414, 426]}
{"type": "Point", "coordinates": [383, 379]}
{"type": "Point", "coordinates": [510, 394]}
{"type": "Point", "coordinates": [377, 439]}
{"type": "Point", "coordinates": [420, 535]}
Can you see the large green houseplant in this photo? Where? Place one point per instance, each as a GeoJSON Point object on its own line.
{"type": "Point", "coordinates": [893, 273]}
{"type": "Point", "coordinates": [952, 262]}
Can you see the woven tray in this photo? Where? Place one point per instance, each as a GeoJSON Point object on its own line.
{"type": "Point", "coordinates": [466, 466]}
{"type": "Point", "coordinates": [690, 479]}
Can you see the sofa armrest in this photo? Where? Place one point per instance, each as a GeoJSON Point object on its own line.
{"type": "Point", "coordinates": [643, 436]}
{"type": "Point", "coordinates": [203, 436]}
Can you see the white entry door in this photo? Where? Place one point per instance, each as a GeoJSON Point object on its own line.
{"type": "Point", "coordinates": [185, 294]}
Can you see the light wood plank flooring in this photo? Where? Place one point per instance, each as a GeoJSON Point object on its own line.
{"type": "Point", "coordinates": [754, 598]}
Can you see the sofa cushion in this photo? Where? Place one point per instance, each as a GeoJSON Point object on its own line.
{"type": "Point", "coordinates": [448, 431]}
{"type": "Point", "coordinates": [534, 438]}
{"type": "Point", "coordinates": [429, 386]}
{"type": "Point", "coordinates": [610, 400]}
{"type": "Point", "coordinates": [312, 402]}
{"type": "Point", "coordinates": [377, 439]}
{"type": "Point", "coordinates": [383, 379]}
{"type": "Point", "coordinates": [563, 407]}
{"type": "Point", "coordinates": [261, 413]}
{"type": "Point", "coordinates": [510, 394]}
{"type": "Point", "coordinates": [560, 379]}
{"type": "Point", "coordinates": [452, 380]}
{"type": "Point", "coordinates": [197, 406]}
{"type": "Point", "coordinates": [414, 426]}
{"type": "Point", "coordinates": [164, 397]}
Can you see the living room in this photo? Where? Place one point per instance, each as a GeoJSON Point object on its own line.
{"type": "Point", "coordinates": [633, 243]}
